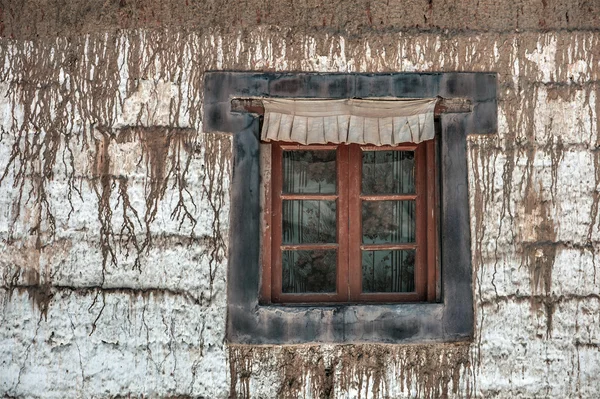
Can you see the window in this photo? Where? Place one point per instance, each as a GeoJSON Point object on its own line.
{"type": "Point", "coordinates": [451, 316]}
{"type": "Point", "coordinates": [351, 223]}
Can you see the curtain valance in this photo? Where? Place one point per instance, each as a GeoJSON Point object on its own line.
{"type": "Point", "coordinates": [377, 122]}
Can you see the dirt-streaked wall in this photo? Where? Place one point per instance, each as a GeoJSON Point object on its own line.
{"type": "Point", "coordinates": [46, 18]}
{"type": "Point", "coordinates": [114, 208]}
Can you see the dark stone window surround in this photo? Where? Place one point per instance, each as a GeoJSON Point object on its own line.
{"type": "Point", "coordinates": [452, 319]}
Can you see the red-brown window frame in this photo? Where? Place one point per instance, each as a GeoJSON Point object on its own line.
{"type": "Point", "coordinates": [348, 195]}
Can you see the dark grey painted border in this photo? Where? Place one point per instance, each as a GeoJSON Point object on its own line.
{"type": "Point", "coordinates": [252, 323]}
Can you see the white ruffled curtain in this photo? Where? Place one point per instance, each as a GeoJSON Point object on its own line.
{"type": "Point", "coordinates": [376, 122]}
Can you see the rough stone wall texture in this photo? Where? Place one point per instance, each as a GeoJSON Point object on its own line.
{"type": "Point", "coordinates": [114, 209]}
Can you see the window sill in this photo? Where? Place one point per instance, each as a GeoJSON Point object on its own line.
{"type": "Point", "coordinates": [393, 323]}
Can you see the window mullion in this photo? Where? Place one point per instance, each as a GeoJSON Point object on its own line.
{"type": "Point", "coordinates": [355, 222]}
{"type": "Point", "coordinates": [343, 223]}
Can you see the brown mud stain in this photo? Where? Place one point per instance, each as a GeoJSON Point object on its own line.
{"type": "Point", "coordinates": [40, 293]}
{"type": "Point", "coordinates": [483, 152]}
{"type": "Point", "coordinates": [26, 276]}
{"type": "Point", "coordinates": [103, 188]}
{"type": "Point", "coordinates": [430, 371]}
{"type": "Point", "coordinates": [217, 169]}
{"type": "Point", "coordinates": [540, 248]}
{"type": "Point", "coordinates": [166, 156]}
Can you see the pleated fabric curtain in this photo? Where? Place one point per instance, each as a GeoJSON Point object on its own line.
{"type": "Point", "coordinates": [372, 121]}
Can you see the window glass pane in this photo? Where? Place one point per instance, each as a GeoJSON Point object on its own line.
{"type": "Point", "coordinates": [309, 222]}
{"type": "Point", "coordinates": [388, 271]}
{"type": "Point", "coordinates": [309, 172]}
{"type": "Point", "coordinates": [386, 222]}
{"type": "Point", "coordinates": [308, 271]}
{"type": "Point", "coordinates": [388, 172]}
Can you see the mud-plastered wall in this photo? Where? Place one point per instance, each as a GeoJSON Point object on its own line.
{"type": "Point", "coordinates": [114, 206]}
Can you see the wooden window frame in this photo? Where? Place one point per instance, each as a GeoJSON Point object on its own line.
{"type": "Point", "coordinates": [349, 219]}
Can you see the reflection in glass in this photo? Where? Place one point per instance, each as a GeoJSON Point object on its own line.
{"type": "Point", "coordinates": [388, 271]}
{"type": "Point", "coordinates": [309, 172]}
{"type": "Point", "coordinates": [309, 222]}
{"type": "Point", "coordinates": [308, 271]}
{"type": "Point", "coordinates": [388, 172]}
{"type": "Point", "coordinates": [386, 222]}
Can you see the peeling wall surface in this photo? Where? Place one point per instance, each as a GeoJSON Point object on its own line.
{"type": "Point", "coordinates": [114, 207]}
